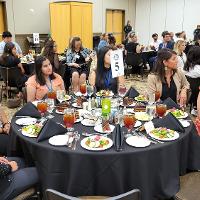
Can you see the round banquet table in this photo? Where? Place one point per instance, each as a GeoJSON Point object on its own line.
{"type": "Point", "coordinates": [154, 170]}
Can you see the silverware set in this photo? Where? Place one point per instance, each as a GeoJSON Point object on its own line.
{"type": "Point", "coordinates": [73, 138]}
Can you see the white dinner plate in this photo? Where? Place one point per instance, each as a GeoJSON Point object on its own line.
{"type": "Point", "coordinates": [99, 129]}
{"type": "Point", "coordinates": [59, 140]}
{"type": "Point", "coordinates": [26, 121]}
{"type": "Point", "coordinates": [128, 106]}
{"type": "Point", "coordinates": [143, 116]}
{"type": "Point", "coordinates": [59, 112]}
{"type": "Point", "coordinates": [110, 95]}
{"type": "Point", "coordinates": [137, 141]}
{"type": "Point", "coordinates": [27, 134]}
{"type": "Point", "coordinates": [176, 136]}
{"type": "Point", "coordinates": [76, 106]}
{"type": "Point", "coordinates": [184, 123]}
{"type": "Point", "coordinates": [137, 124]}
{"type": "Point", "coordinates": [92, 147]}
{"type": "Point", "coordinates": [88, 122]}
{"type": "Point", "coordinates": [79, 94]}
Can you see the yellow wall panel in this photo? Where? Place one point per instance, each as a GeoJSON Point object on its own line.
{"type": "Point", "coordinates": [2, 22]}
{"type": "Point", "coordinates": [87, 34]}
{"type": "Point", "coordinates": [109, 21]}
{"type": "Point", "coordinates": [76, 20]}
{"type": "Point", "coordinates": [60, 25]}
{"type": "Point", "coordinates": [117, 21]}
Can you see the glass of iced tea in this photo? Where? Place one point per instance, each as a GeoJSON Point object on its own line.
{"type": "Point", "coordinates": [42, 107]}
{"type": "Point", "coordinates": [83, 88]}
{"type": "Point", "coordinates": [157, 95]}
{"type": "Point", "coordinates": [161, 110]}
{"type": "Point", "coordinates": [69, 118]}
{"type": "Point", "coordinates": [129, 123]}
{"type": "Point", "coordinates": [51, 95]}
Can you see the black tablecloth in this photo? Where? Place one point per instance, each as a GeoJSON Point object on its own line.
{"type": "Point", "coordinates": [154, 170]}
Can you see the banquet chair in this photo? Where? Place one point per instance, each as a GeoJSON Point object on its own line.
{"type": "Point", "coordinates": [10, 76]}
{"type": "Point", "coordinates": [133, 60]}
{"type": "Point", "coordinates": [131, 195]}
{"type": "Point", "coordinates": [194, 87]}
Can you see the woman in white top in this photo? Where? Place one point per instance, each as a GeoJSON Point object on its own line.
{"type": "Point", "coordinates": [179, 48]}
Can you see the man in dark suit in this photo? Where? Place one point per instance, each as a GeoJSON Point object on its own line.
{"type": "Point", "coordinates": [167, 43]}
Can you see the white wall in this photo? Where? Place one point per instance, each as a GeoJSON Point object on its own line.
{"type": "Point", "coordinates": [172, 15]}
{"type": "Point", "coordinates": [28, 16]}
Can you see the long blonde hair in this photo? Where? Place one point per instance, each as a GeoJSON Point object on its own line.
{"type": "Point", "coordinates": [177, 46]}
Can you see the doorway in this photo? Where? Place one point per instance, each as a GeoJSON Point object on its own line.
{"type": "Point", "coordinates": [115, 24]}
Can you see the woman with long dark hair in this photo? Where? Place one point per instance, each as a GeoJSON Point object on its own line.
{"type": "Point", "coordinates": [167, 78]}
{"type": "Point", "coordinates": [9, 59]}
{"type": "Point", "coordinates": [78, 58]}
{"type": "Point", "coordinates": [192, 72]}
{"type": "Point", "coordinates": [102, 77]}
{"type": "Point", "coordinates": [50, 52]}
{"type": "Point", "coordinates": [44, 80]}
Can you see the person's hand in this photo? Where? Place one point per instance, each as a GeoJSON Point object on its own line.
{"type": "Point", "coordinates": [13, 165]}
{"type": "Point", "coordinates": [6, 128]}
{"type": "Point", "coordinates": [4, 160]}
{"type": "Point", "coordinates": [183, 98]}
{"type": "Point", "coordinates": [87, 59]}
{"type": "Point", "coordinates": [76, 65]}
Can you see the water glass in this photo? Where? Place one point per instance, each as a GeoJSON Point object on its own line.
{"type": "Point", "coordinates": [90, 90]}
{"type": "Point", "coordinates": [122, 90]}
{"type": "Point", "coordinates": [151, 98]}
{"type": "Point", "coordinates": [50, 107]}
{"type": "Point", "coordinates": [60, 94]}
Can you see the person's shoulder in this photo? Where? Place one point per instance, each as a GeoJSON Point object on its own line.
{"type": "Point", "coordinates": [152, 76]}
{"type": "Point", "coordinates": [32, 79]}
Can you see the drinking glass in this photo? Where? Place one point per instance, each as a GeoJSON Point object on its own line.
{"type": "Point", "coordinates": [51, 95]}
{"type": "Point", "coordinates": [161, 110]}
{"type": "Point", "coordinates": [69, 118]}
{"type": "Point", "coordinates": [42, 107]}
{"type": "Point", "coordinates": [122, 90]}
{"type": "Point", "coordinates": [90, 90]}
{"type": "Point", "coordinates": [60, 94]}
{"type": "Point", "coordinates": [83, 88]}
{"type": "Point", "coordinates": [129, 122]}
{"type": "Point", "coordinates": [151, 98]}
{"type": "Point", "coordinates": [50, 107]}
{"type": "Point", "coordinates": [151, 110]}
{"type": "Point", "coordinates": [157, 95]}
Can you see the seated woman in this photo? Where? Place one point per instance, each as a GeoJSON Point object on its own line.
{"type": "Point", "coordinates": [167, 79]}
{"type": "Point", "coordinates": [102, 77]}
{"type": "Point", "coordinates": [77, 59]}
{"type": "Point", "coordinates": [192, 72]}
{"type": "Point", "coordinates": [15, 178]}
{"type": "Point", "coordinates": [179, 48]}
{"type": "Point", "coordinates": [4, 131]}
{"type": "Point", "coordinates": [133, 47]}
{"type": "Point", "coordinates": [9, 59]}
{"type": "Point", "coordinates": [50, 52]}
{"type": "Point", "coordinates": [44, 80]}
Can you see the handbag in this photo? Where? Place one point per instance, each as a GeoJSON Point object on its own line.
{"type": "Point", "coordinates": [5, 170]}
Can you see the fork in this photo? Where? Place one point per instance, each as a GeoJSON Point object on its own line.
{"type": "Point", "coordinates": [76, 138]}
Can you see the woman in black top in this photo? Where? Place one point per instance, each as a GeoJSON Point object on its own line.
{"type": "Point", "coordinates": [4, 132]}
{"type": "Point", "coordinates": [9, 59]}
{"type": "Point", "coordinates": [15, 178]}
{"type": "Point", "coordinates": [102, 77]}
{"type": "Point", "coordinates": [133, 48]}
{"type": "Point", "coordinates": [127, 28]}
{"type": "Point", "coordinates": [78, 58]}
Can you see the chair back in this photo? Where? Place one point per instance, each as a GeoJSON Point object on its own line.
{"type": "Point", "coordinates": [55, 195]}
{"type": "Point", "coordinates": [11, 76]}
{"type": "Point", "coordinates": [131, 195]}
{"type": "Point", "coordinates": [133, 59]}
{"type": "Point", "coordinates": [61, 70]}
